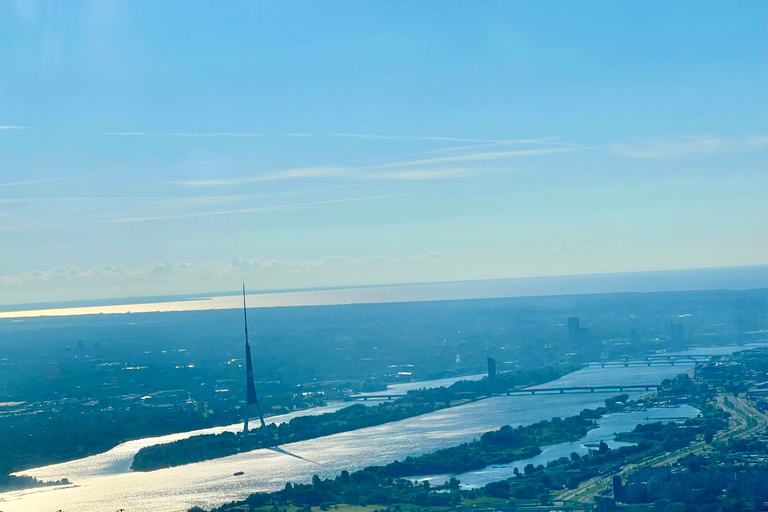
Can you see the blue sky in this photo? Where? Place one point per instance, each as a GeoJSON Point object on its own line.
{"type": "Point", "coordinates": [153, 148]}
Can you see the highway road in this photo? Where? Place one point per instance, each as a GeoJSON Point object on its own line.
{"type": "Point", "coordinates": [745, 421]}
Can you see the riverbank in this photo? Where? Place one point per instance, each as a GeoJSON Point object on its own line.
{"type": "Point", "coordinates": [384, 485]}
{"type": "Point", "coordinates": [104, 481]}
{"type": "Point", "coordinates": [415, 403]}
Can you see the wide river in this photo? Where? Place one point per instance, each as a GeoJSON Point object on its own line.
{"type": "Point", "coordinates": [104, 482]}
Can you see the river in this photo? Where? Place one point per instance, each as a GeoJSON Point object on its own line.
{"type": "Point", "coordinates": [104, 482]}
{"type": "Point", "coordinates": [607, 428]}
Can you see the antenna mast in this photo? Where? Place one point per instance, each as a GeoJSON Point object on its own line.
{"type": "Point", "coordinates": [250, 389]}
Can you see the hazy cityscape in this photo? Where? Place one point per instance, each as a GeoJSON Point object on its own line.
{"type": "Point", "coordinates": [76, 387]}
{"type": "Point", "coordinates": [365, 256]}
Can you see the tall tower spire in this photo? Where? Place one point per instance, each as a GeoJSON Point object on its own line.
{"type": "Point", "coordinates": [250, 389]}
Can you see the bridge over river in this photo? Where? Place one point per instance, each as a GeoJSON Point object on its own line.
{"type": "Point", "coordinates": [654, 360]}
{"type": "Point", "coordinates": [531, 390]}
{"type": "Point", "coordinates": [105, 482]}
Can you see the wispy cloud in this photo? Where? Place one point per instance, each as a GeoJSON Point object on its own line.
{"type": "Point", "coordinates": [236, 266]}
{"type": "Point", "coordinates": [419, 175]}
{"type": "Point", "coordinates": [454, 149]}
{"type": "Point", "coordinates": [260, 209]}
{"type": "Point", "coordinates": [405, 137]}
{"type": "Point", "coordinates": [471, 157]}
{"type": "Point", "coordinates": [292, 266]}
{"type": "Point", "coordinates": [552, 141]}
{"type": "Point", "coordinates": [302, 172]}
{"type": "Point", "coordinates": [373, 172]}
{"type": "Point", "coordinates": [690, 145]}
{"type": "Point", "coordinates": [48, 180]}
{"type": "Point", "coordinates": [331, 172]}
{"type": "Point", "coordinates": [11, 127]}
{"type": "Point", "coordinates": [450, 139]}
{"type": "Point", "coordinates": [166, 200]}
{"type": "Point", "coordinates": [153, 269]}
{"type": "Point", "coordinates": [180, 134]}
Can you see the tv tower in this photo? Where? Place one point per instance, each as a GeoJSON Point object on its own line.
{"type": "Point", "coordinates": [250, 389]}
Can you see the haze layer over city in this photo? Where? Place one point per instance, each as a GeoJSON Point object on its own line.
{"type": "Point", "coordinates": [368, 257]}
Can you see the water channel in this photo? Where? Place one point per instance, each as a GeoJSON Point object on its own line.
{"type": "Point", "coordinates": [104, 482]}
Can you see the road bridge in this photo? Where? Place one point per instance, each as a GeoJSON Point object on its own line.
{"type": "Point", "coordinates": [679, 357]}
{"type": "Point", "coordinates": [613, 364]}
{"type": "Point", "coordinates": [654, 360]}
{"type": "Point", "coordinates": [582, 389]}
{"type": "Point", "coordinates": [621, 388]}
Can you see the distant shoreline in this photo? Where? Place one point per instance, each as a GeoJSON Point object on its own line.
{"type": "Point", "coordinates": [725, 278]}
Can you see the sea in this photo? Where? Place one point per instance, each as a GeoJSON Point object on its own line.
{"type": "Point", "coordinates": [730, 278]}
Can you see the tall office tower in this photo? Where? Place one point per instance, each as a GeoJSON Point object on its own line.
{"type": "Point", "coordinates": [491, 368]}
{"type": "Point", "coordinates": [574, 330]}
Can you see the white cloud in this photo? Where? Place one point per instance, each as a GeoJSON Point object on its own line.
{"type": "Point", "coordinates": [419, 175]}
{"type": "Point", "coordinates": [403, 137]}
{"type": "Point", "coordinates": [465, 148]}
{"type": "Point", "coordinates": [291, 266]}
{"type": "Point", "coordinates": [302, 172]}
{"type": "Point", "coordinates": [364, 172]}
{"type": "Point", "coordinates": [471, 157]}
{"type": "Point", "coordinates": [294, 206]}
{"type": "Point", "coordinates": [11, 127]}
{"type": "Point", "coordinates": [236, 267]}
{"type": "Point", "coordinates": [47, 180]}
{"type": "Point", "coordinates": [547, 140]}
{"type": "Point", "coordinates": [181, 134]}
{"type": "Point", "coordinates": [172, 201]}
{"type": "Point", "coordinates": [69, 273]}
{"type": "Point", "coordinates": [690, 145]}
{"type": "Point", "coordinates": [449, 139]}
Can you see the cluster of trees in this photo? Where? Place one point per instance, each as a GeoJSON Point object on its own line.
{"type": "Point", "coordinates": [385, 485]}
{"type": "Point", "coordinates": [212, 446]}
{"type": "Point", "coordinates": [359, 488]}
{"type": "Point", "coordinates": [683, 386]}
{"type": "Point", "coordinates": [569, 472]}
{"type": "Point", "coordinates": [668, 435]}
{"type": "Point", "coordinates": [497, 447]}
{"type": "Point", "coordinates": [11, 482]}
{"type": "Point", "coordinates": [750, 445]}
{"type": "Point", "coordinates": [36, 439]}
{"type": "Point", "coordinates": [206, 447]}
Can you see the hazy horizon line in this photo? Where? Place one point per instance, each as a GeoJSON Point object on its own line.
{"type": "Point", "coordinates": [159, 299]}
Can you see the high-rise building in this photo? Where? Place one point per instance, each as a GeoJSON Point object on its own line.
{"type": "Point", "coordinates": [491, 368]}
{"type": "Point", "coordinates": [575, 332]}
{"type": "Point", "coordinates": [573, 328]}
